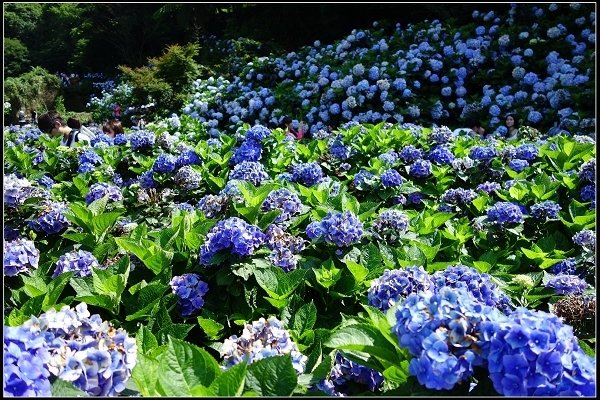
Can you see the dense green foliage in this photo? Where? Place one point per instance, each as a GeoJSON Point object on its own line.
{"type": "Point", "coordinates": [36, 89]}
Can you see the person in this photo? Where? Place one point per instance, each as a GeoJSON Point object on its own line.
{"type": "Point", "coordinates": [512, 125]}
{"type": "Point", "coordinates": [112, 128]}
{"type": "Point", "coordinates": [33, 117]}
{"type": "Point", "coordinates": [73, 123]}
{"type": "Point", "coordinates": [54, 125]}
{"type": "Point", "coordinates": [22, 120]}
{"type": "Point", "coordinates": [475, 129]}
{"type": "Point", "coordinates": [117, 112]}
{"type": "Point", "coordinates": [292, 133]}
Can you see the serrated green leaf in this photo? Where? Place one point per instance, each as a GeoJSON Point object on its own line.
{"type": "Point", "coordinates": [145, 340]}
{"type": "Point", "coordinates": [177, 331]}
{"type": "Point", "coordinates": [210, 327]}
{"type": "Point", "coordinates": [62, 388]}
{"type": "Point", "coordinates": [278, 283]}
{"type": "Point", "coordinates": [364, 338]}
{"type": "Point", "coordinates": [358, 271]}
{"type": "Point", "coordinates": [145, 375]}
{"type": "Point", "coordinates": [231, 382]}
{"type": "Point", "coordinates": [305, 318]}
{"type": "Point", "coordinates": [272, 376]}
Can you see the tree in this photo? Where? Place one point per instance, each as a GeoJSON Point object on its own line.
{"type": "Point", "coordinates": [36, 89]}
{"type": "Point", "coordinates": [16, 57]}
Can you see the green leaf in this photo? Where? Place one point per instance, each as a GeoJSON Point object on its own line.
{"type": "Point", "coordinates": [62, 388]}
{"type": "Point", "coordinates": [31, 308]}
{"type": "Point", "coordinates": [278, 283]}
{"type": "Point", "coordinates": [328, 274]}
{"type": "Point", "coordinates": [177, 331]}
{"type": "Point", "coordinates": [210, 327]}
{"type": "Point", "coordinates": [98, 206]}
{"type": "Point", "coordinates": [145, 340]}
{"type": "Point", "coordinates": [364, 338]}
{"type": "Point", "coordinates": [305, 318]}
{"type": "Point", "coordinates": [272, 376]}
{"type": "Point", "coordinates": [55, 288]}
{"type": "Point", "coordinates": [145, 375]}
{"type": "Point", "coordinates": [102, 223]}
{"type": "Point", "coordinates": [358, 271]}
{"type": "Point", "coordinates": [184, 366]}
{"type": "Point", "coordinates": [231, 382]}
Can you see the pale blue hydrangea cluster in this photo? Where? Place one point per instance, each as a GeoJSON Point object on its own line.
{"type": "Point", "coordinates": [188, 178]}
{"type": "Point", "coordinates": [189, 289]}
{"type": "Point", "coordinates": [339, 228]}
{"type": "Point", "coordinates": [285, 200]}
{"type": "Point", "coordinates": [101, 189]}
{"type": "Point", "coordinates": [585, 238]}
{"type": "Point", "coordinates": [527, 152]}
{"type": "Point", "coordinates": [250, 171]}
{"type": "Point", "coordinates": [212, 205]}
{"type": "Point", "coordinates": [80, 261]}
{"type": "Point", "coordinates": [346, 374]}
{"type": "Point", "coordinates": [307, 174]}
{"type": "Point", "coordinates": [262, 339]}
{"type": "Point", "coordinates": [51, 219]}
{"type": "Point", "coordinates": [85, 350]}
{"type": "Point", "coordinates": [389, 225]}
{"type": "Point", "coordinates": [545, 210]}
{"type": "Point", "coordinates": [284, 247]}
{"type": "Point", "coordinates": [390, 157]}
{"type": "Point", "coordinates": [165, 163]}
{"type": "Point", "coordinates": [364, 180]}
{"type": "Point", "coordinates": [142, 139]}
{"type": "Point", "coordinates": [249, 150]}
{"type": "Point", "coordinates": [16, 190]}
{"type": "Point", "coordinates": [567, 284]}
{"type": "Point", "coordinates": [532, 353]}
{"type": "Point", "coordinates": [458, 197]}
{"type": "Point", "coordinates": [233, 234]}
{"type": "Point", "coordinates": [20, 255]}
{"type": "Point", "coordinates": [395, 285]}
{"type": "Point", "coordinates": [504, 213]}
{"type": "Point", "coordinates": [568, 266]}
{"type": "Point", "coordinates": [489, 187]}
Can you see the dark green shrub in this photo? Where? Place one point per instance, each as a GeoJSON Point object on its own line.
{"type": "Point", "coordinates": [36, 89]}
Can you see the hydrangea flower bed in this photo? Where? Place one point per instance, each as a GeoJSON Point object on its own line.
{"type": "Point", "coordinates": [395, 259]}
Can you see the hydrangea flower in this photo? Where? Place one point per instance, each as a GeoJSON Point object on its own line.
{"type": "Point", "coordinates": [99, 190]}
{"type": "Point", "coordinates": [504, 213]}
{"type": "Point", "coordinates": [533, 353]}
{"type": "Point", "coordinates": [479, 285]}
{"type": "Point", "coordinates": [258, 133]}
{"type": "Point", "coordinates": [395, 285]}
{"type": "Point", "coordinates": [420, 169]}
{"type": "Point", "coordinates": [339, 150]}
{"type": "Point", "coordinates": [389, 224]}
{"type": "Point", "coordinates": [188, 178]}
{"type": "Point", "coordinates": [285, 200]}
{"type": "Point", "coordinates": [164, 163]}
{"type": "Point", "coordinates": [585, 238]}
{"type": "Point", "coordinates": [518, 165]}
{"type": "Point", "coordinates": [307, 174]}
{"type": "Point", "coordinates": [146, 180]}
{"type": "Point", "coordinates": [345, 374]}
{"type": "Point", "coordinates": [142, 139]}
{"type": "Point", "coordinates": [188, 157]}
{"type": "Point", "coordinates": [578, 311]}
{"type": "Point", "coordinates": [391, 178]}
{"type": "Point", "coordinates": [212, 205]}
{"type": "Point", "coordinates": [363, 179]}
{"type": "Point", "coordinates": [588, 193]}
{"type": "Point", "coordinates": [442, 331]}
{"type": "Point", "coordinates": [389, 157]}
{"type": "Point", "coordinates": [52, 219]}
{"type": "Point", "coordinates": [20, 255]}
{"type": "Point", "coordinates": [482, 153]}
{"type": "Point", "coordinates": [249, 150]}
{"type": "Point", "coordinates": [545, 210]}
{"type": "Point", "coordinates": [261, 339]}
{"type": "Point", "coordinates": [339, 228]}
{"type": "Point", "coordinates": [410, 153]}
{"type": "Point", "coordinates": [567, 266]}
{"type": "Point", "coordinates": [587, 172]}
{"type": "Point", "coordinates": [527, 152]}
{"type": "Point", "coordinates": [25, 357]}
{"type": "Point", "coordinates": [284, 247]}
{"type": "Point", "coordinates": [233, 234]}
{"type": "Point", "coordinates": [567, 284]}
{"type": "Point", "coordinates": [441, 155]}
{"type": "Point", "coordinates": [440, 135]}
{"type": "Point", "coordinates": [16, 190]}
{"type": "Point", "coordinates": [250, 171]}
{"type": "Point", "coordinates": [489, 187]}
{"type": "Point", "coordinates": [80, 261]}
{"type": "Point", "coordinates": [189, 289]}
{"type": "Point", "coordinates": [458, 196]}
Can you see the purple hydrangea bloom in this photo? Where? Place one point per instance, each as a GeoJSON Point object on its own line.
{"type": "Point", "coordinates": [261, 339]}
{"type": "Point", "coordinates": [527, 152]}
{"type": "Point", "coordinates": [189, 289]}
{"type": "Point", "coordinates": [588, 193]}
{"type": "Point", "coordinates": [341, 229]}
{"type": "Point", "coordinates": [395, 285]}
{"type": "Point", "coordinates": [565, 267]}
{"type": "Point", "coordinates": [285, 200]}
{"type": "Point", "coordinates": [442, 331]}
{"type": "Point", "coordinates": [307, 174]}
{"type": "Point", "coordinates": [567, 284]}
{"type": "Point", "coordinates": [504, 213]}
{"type": "Point", "coordinates": [258, 132]}
{"type": "Point", "coordinates": [80, 261]}
{"type": "Point", "coordinates": [410, 153]}
{"type": "Point", "coordinates": [458, 196]}
{"type": "Point", "coordinates": [142, 139]}
{"type": "Point", "coordinates": [440, 135]}
{"type": "Point", "coordinates": [420, 169]}
{"type": "Point", "coordinates": [585, 238]}
{"type": "Point", "coordinates": [20, 255]}
{"type": "Point", "coordinates": [233, 234]}
{"type": "Point", "coordinates": [164, 163]}
{"type": "Point", "coordinates": [188, 157]}
{"type": "Point", "coordinates": [389, 224]}
{"type": "Point", "coordinates": [391, 178]}
{"type": "Point", "coordinates": [52, 219]}
{"type": "Point", "coordinates": [533, 353]}
{"type": "Point", "coordinates": [250, 171]}
{"type": "Point", "coordinates": [587, 173]}
{"type": "Point", "coordinates": [479, 285]}
{"type": "Point", "coordinates": [441, 155]}
{"type": "Point", "coordinates": [518, 165]}
{"type": "Point", "coordinates": [25, 357]}
{"type": "Point", "coordinates": [489, 187]}
{"type": "Point", "coordinates": [545, 210]}
{"type": "Point", "coordinates": [249, 150]}
{"type": "Point", "coordinates": [284, 247]}
{"type": "Point", "coordinates": [188, 178]}
{"type": "Point", "coordinates": [345, 374]}
{"type": "Point", "coordinates": [211, 205]}
{"type": "Point", "coordinates": [99, 190]}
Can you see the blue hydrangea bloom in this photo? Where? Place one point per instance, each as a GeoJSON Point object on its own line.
{"type": "Point", "coordinates": [345, 374]}
{"type": "Point", "coordinates": [120, 139]}
{"type": "Point", "coordinates": [80, 261]}
{"type": "Point", "coordinates": [188, 157]}
{"type": "Point", "coordinates": [258, 133]}
{"type": "Point", "coordinates": [233, 234]}
{"type": "Point", "coordinates": [339, 228]}
{"type": "Point", "coordinates": [99, 190]}
{"type": "Point", "coordinates": [441, 155]}
{"type": "Point", "coordinates": [363, 180]}
{"type": "Point", "coordinates": [527, 152]}
{"type": "Point", "coordinates": [442, 331]}
{"type": "Point", "coordinates": [188, 178]}
{"type": "Point", "coordinates": [395, 285]}
{"type": "Point", "coordinates": [410, 153]}
{"type": "Point", "coordinates": [390, 157]}
{"type": "Point", "coordinates": [567, 266]}
{"type": "Point", "coordinates": [46, 181]}
{"type": "Point", "coordinates": [284, 247]}
{"type": "Point", "coordinates": [533, 353]}
{"type": "Point", "coordinates": [585, 238]}
{"type": "Point", "coordinates": [482, 153]}
{"type": "Point", "coordinates": [567, 284]}
{"type": "Point", "coordinates": [307, 174]}
{"type": "Point", "coordinates": [285, 200]}
{"type": "Point", "coordinates": [504, 213]}
{"type": "Point", "coordinates": [545, 210]}
{"type": "Point", "coordinates": [142, 139]}
{"type": "Point", "coordinates": [458, 196]}
{"type": "Point", "coordinates": [479, 285]}
{"type": "Point", "coordinates": [52, 219]}
{"type": "Point", "coordinates": [146, 180]}
{"type": "Point", "coordinates": [16, 190]}
{"type": "Point", "coordinates": [587, 172]}
{"type": "Point", "coordinates": [250, 171]}
{"type": "Point", "coordinates": [189, 289]}
{"type": "Point", "coordinates": [588, 193]}
{"type": "Point", "coordinates": [420, 169]}
{"type": "Point", "coordinates": [250, 150]}
{"type": "Point", "coordinates": [25, 357]}
{"type": "Point", "coordinates": [164, 163]}
{"type": "Point", "coordinates": [212, 205]}
{"type": "Point", "coordinates": [339, 150]}
{"type": "Point", "coordinates": [261, 339]}
{"type": "Point", "coordinates": [391, 178]}
{"type": "Point", "coordinates": [389, 224]}
{"type": "Point", "coordinates": [20, 255]}
{"type": "Point", "coordinates": [518, 165]}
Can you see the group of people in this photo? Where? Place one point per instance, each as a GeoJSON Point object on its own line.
{"type": "Point", "coordinates": [474, 128]}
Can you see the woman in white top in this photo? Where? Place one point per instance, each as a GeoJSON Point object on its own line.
{"type": "Point", "coordinates": [512, 125]}
{"type": "Point", "coordinates": [54, 125]}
